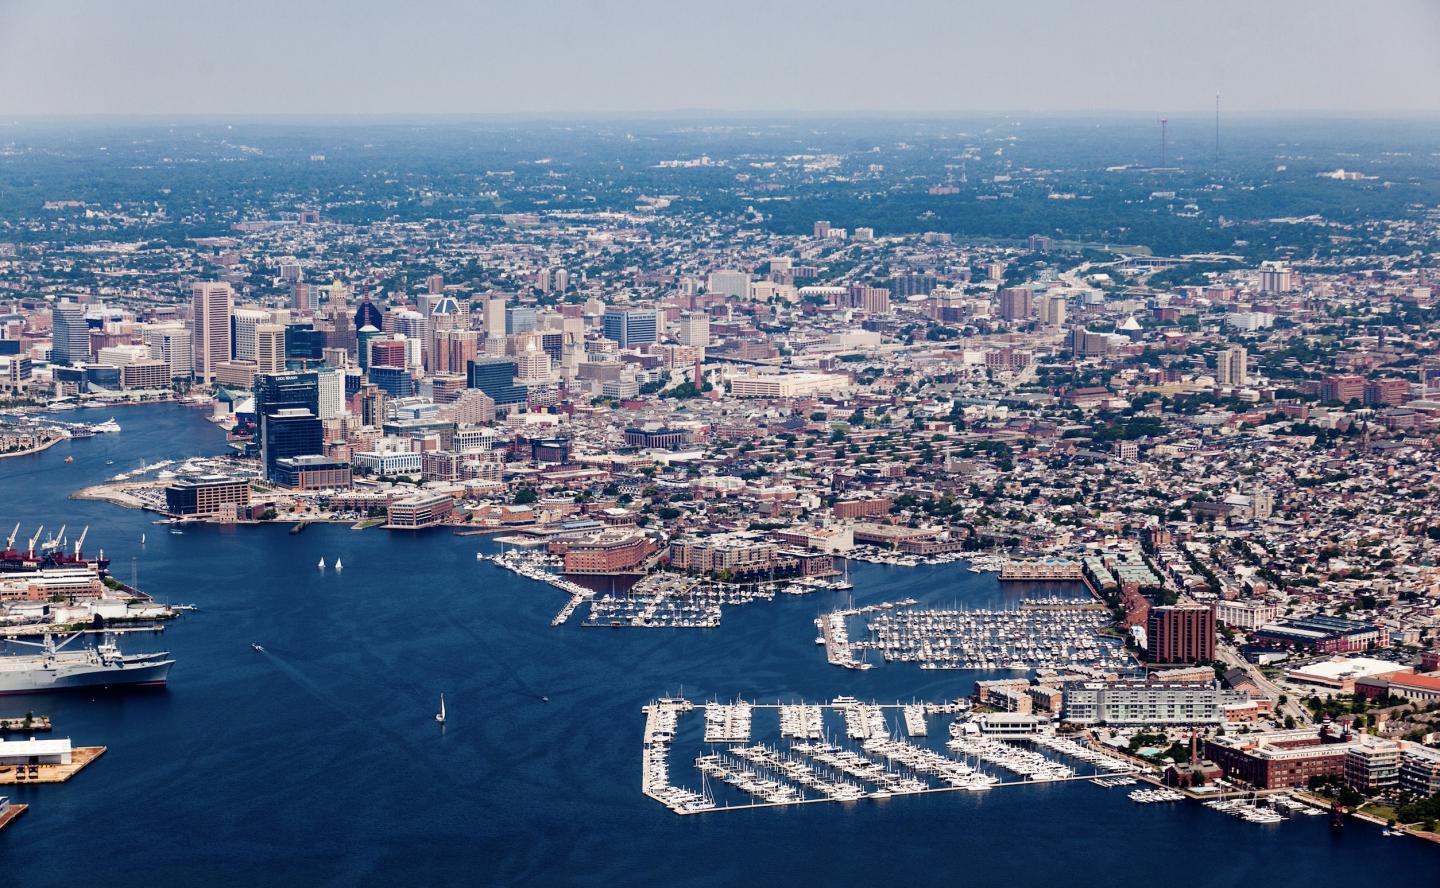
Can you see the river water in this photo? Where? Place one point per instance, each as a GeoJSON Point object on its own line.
{"type": "Point", "coordinates": [318, 762]}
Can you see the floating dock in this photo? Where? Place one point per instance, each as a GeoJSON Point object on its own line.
{"type": "Point", "coordinates": [25, 723]}
{"type": "Point", "coordinates": [11, 813]}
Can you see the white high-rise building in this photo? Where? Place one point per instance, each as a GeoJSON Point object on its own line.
{"type": "Point", "coordinates": [269, 348]}
{"type": "Point", "coordinates": [495, 325]}
{"type": "Point", "coordinates": [1231, 366]}
{"type": "Point", "coordinates": [731, 283]}
{"type": "Point", "coordinates": [693, 328]}
{"type": "Point", "coordinates": [211, 304]}
{"type": "Point", "coordinates": [331, 391]}
{"type": "Point", "coordinates": [172, 342]}
{"type": "Point", "coordinates": [243, 323]}
{"type": "Point", "coordinates": [69, 334]}
{"type": "Point", "coordinates": [532, 366]}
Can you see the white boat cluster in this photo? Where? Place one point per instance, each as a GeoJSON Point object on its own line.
{"type": "Point", "coordinates": [661, 718]}
{"type": "Point", "coordinates": [927, 761]}
{"type": "Point", "coordinates": [863, 769]}
{"type": "Point", "coordinates": [1252, 811]}
{"type": "Point", "coordinates": [1113, 782]}
{"type": "Point", "coordinates": [668, 601]}
{"type": "Point", "coordinates": [835, 635]}
{"type": "Point", "coordinates": [1027, 763]}
{"type": "Point", "coordinates": [748, 779]}
{"type": "Point", "coordinates": [873, 555]}
{"type": "Point", "coordinates": [803, 721]}
{"type": "Point", "coordinates": [1156, 796]}
{"type": "Point", "coordinates": [915, 720]}
{"type": "Point", "coordinates": [994, 639]}
{"type": "Point", "coordinates": [1066, 746]}
{"type": "Point", "coordinates": [727, 722]}
{"type": "Point", "coordinates": [983, 563]}
{"type": "Point", "coordinates": [651, 613]}
{"type": "Point", "coordinates": [803, 773]}
{"type": "Point", "coordinates": [865, 720]}
{"type": "Point", "coordinates": [537, 566]}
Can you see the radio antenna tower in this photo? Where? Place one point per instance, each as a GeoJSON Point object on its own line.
{"type": "Point", "coordinates": [1217, 131]}
{"type": "Point", "coordinates": [1164, 124]}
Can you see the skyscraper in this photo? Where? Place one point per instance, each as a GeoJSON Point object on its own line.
{"type": "Point", "coordinates": [731, 283]}
{"type": "Point", "coordinates": [693, 329]}
{"type": "Point", "coordinates": [630, 326]}
{"type": "Point", "coordinates": [269, 348]}
{"type": "Point", "coordinates": [368, 315]}
{"type": "Point", "coordinates": [1015, 303]}
{"type": "Point", "coordinates": [288, 407]}
{"type": "Point", "coordinates": [496, 378]}
{"type": "Point", "coordinates": [211, 303]}
{"type": "Point", "coordinates": [172, 343]}
{"type": "Point", "coordinates": [330, 393]}
{"type": "Point", "coordinates": [519, 319]}
{"type": "Point", "coordinates": [1180, 634]}
{"type": "Point", "coordinates": [304, 299]}
{"type": "Point", "coordinates": [243, 323]}
{"type": "Point", "coordinates": [69, 334]}
{"type": "Point", "coordinates": [1231, 366]}
{"type": "Point", "coordinates": [1052, 311]}
{"type": "Point", "coordinates": [495, 325]}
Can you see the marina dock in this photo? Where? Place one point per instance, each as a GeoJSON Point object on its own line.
{"type": "Point", "coordinates": [81, 757]}
{"type": "Point", "coordinates": [864, 760]}
{"type": "Point", "coordinates": [1041, 633]}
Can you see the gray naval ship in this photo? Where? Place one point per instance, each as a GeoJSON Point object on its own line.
{"type": "Point", "coordinates": [56, 669]}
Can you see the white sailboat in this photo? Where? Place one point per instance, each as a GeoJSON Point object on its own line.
{"type": "Point", "coordinates": [338, 565]}
{"type": "Point", "coordinates": [440, 716]}
{"type": "Point", "coordinates": [142, 539]}
{"type": "Point", "coordinates": [322, 563]}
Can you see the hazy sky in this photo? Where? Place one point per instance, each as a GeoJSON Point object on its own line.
{"type": "Point", "coordinates": [499, 56]}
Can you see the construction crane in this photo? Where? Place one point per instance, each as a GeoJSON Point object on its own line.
{"type": "Point", "coordinates": [80, 542]}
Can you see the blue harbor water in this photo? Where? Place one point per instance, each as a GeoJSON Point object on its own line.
{"type": "Point", "coordinates": [319, 762]}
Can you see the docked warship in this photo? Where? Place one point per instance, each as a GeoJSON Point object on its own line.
{"type": "Point", "coordinates": [55, 669]}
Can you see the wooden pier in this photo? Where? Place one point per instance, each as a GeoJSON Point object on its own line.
{"type": "Point", "coordinates": [80, 757]}
{"type": "Point", "coordinates": [11, 813]}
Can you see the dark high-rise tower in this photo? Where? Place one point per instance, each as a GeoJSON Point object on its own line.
{"type": "Point", "coordinates": [368, 314]}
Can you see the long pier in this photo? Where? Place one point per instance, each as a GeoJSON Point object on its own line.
{"type": "Point", "coordinates": [661, 720]}
{"type": "Point", "coordinates": [576, 599]}
{"type": "Point", "coordinates": [748, 806]}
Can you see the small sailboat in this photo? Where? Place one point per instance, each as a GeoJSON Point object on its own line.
{"type": "Point", "coordinates": [440, 716]}
{"type": "Point", "coordinates": [339, 565]}
{"type": "Point", "coordinates": [322, 563]}
{"type": "Point", "coordinates": [256, 645]}
{"type": "Point", "coordinates": [142, 539]}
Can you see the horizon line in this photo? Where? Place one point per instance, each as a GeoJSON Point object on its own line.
{"type": "Point", "coordinates": [731, 114]}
